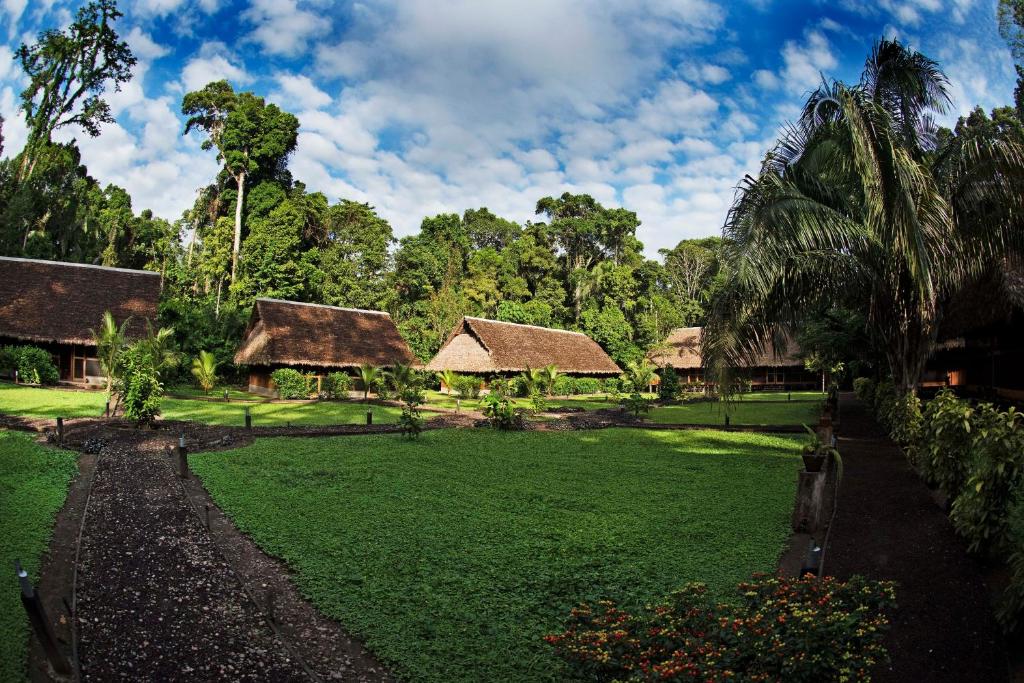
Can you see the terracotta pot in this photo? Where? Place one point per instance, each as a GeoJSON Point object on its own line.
{"type": "Point", "coordinates": [813, 462]}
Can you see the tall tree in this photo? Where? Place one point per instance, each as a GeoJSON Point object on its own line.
{"type": "Point", "coordinates": [248, 135]}
{"type": "Point", "coordinates": [855, 208]}
{"type": "Point", "coordinates": [67, 72]}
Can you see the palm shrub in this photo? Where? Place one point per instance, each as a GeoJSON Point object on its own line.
{"type": "Point", "coordinates": [531, 380]}
{"type": "Point", "coordinates": [204, 369]}
{"type": "Point", "coordinates": [549, 375]}
{"type": "Point", "coordinates": [857, 207]}
{"type": "Point", "coordinates": [448, 379]}
{"type": "Point", "coordinates": [402, 377]}
{"type": "Point", "coordinates": [162, 349]}
{"type": "Point", "coordinates": [639, 374]}
{"type": "Point", "coordinates": [944, 446]}
{"type": "Point", "coordinates": [368, 375]}
{"type": "Point", "coordinates": [110, 341]}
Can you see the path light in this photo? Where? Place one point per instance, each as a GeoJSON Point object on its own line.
{"type": "Point", "coordinates": [726, 420]}
{"type": "Point", "coordinates": [40, 623]}
{"type": "Point", "coordinates": [812, 563]}
{"type": "Point", "coordinates": [248, 418]}
{"type": "Point", "coordinates": [369, 416]}
{"type": "Point", "coordinates": [182, 457]}
{"type": "Point", "coordinates": [458, 405]}
{"type": "Point", "coordinates": [225, 394]}
{"type": "Point", "coordinates": [60, 432]}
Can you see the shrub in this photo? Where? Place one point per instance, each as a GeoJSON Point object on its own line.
{"type": "Point", "coordinates": [668, 390]}
{"type": "Point", "coordinates": [338, 385]}
{"type": "Point", "coordinates": [499, 386]}
{"type": "Point", "coordinates": [944, 447]}
{"type": "Point", "coordinates": [864, 388]}
{"type": "Point", "coordinates": [587, 385]}
{"type": "Point", "coordinates": [637, 404]}
{"type": "Point", "coordinates": [411, 421]}
{"type": "Point", "coordinates": [381, 387]}
{"type": "Point", "coordinates": [613, 386]}
{"type": "Point", "coordinates": [564, 386]}
{"type": "Point", "coordinates": [981, 512]}
{"type": "Point", "coordinates": [775, 629]}
{"type": "Point", "coordinates": [537, 402]}
{"type": "Point", "coordinates": [501, 413]}
{"type": "Point", "coordinates": [138, 384]}
{"type": "Point", "coordinates": [34, 365]}
{"type": "Point", "coordinates": [903, 422]}
{"type": "Point", "coordinates": [290, 383]}
{"type": "Point", "coordinates": [468, 386]}
{"type": "Point", "coordinates": [1010, 606]}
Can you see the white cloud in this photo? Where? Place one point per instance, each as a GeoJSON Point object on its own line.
{"type": "Point", "coordinates": [282, 27]}
{"type": "Point", "coordinates": [806, 61]}
{"type": "Point", "coordinates": [300, 91]}
{"type": "Point", "coordinates": [213, 63]}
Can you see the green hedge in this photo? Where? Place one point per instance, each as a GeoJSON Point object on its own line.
{"type": "Point", "coordinates": [33, 364]}
{"type": "Point", "coordinates": [291, 383]}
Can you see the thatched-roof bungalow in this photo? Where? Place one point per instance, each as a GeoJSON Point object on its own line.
{"type": "Point", "coordinates": [484, 346]}
{"type": "Point", "coordinates": [316, 339]}
{"type": "Point", "coordinates": [681, 351]}
{"type": "Point", "coordinates": [55, 306]}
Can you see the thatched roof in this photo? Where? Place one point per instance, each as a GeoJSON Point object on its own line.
{"type": "Point", "coordinates": [478, 345]}
{"type": "Point", "coordinates": [681, 351]}
{"type": "Point", "coordinates": [313, 335]}
{"type": "Point", "coordinates": [56, 302]}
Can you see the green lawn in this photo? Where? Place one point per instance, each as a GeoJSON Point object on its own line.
{"type": "Point", "coordinates": [33, 483]}
{"type": "Point", "coordinates": [276, 414]}
{"type": "Point", "coordinates": [188, 391]}
{"type": "Point", "coordinates": [437, 399]}
{"type": "Point", "coordinates": [452, 556]}
{"type": "Point", "coordinates": [37, 402]}
{"type": "Point", "coordinates": [782, 396]}
{"type": "Point", "coordinates": [742, 413]}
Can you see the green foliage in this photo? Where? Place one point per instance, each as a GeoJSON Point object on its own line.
{"type": "Point", "coordinates": [747, 412]}
{"type": "Point", "coordinates": [668, 389]}
{"type": "Point", "coordinates": [564, 385]}
{"type": "Point", "coordinates": [637, 404]}
{"type": "Point", "coordinates": [538, 402]}
{"type": "Point", "coordinates": [765, 632]}
{"type": "Point", "coordinates": [291, 383]}
{"type": "Point", "coordinates": [501, 413]}
{"type": "Point", "coordinates": [639, 375]}
{"type": "Point", "coordinates": [368, 376]}
{"type": "Point", "coordinates": [137, 383]}
{"type": "Point", "coordinates": [531, 380]}
{"type": "Point", "coordinates": [981, 512]}
{"type": "Point", "coordinates": [448, 378]}
{"type": "Point", "coordinates": [110, 341]}
{"type": "Point", "coordinates": [412, 528]}
{"type": "Point", "coordinates": [468, 386]}
{"type": "Point", "coordinates": [411, 421]}
{"type": "Point", "coordinates": [34, 481]}
{"type": "Point", "coordinates": [904, 423]}
{"type": "Point", "coordinates": [381, 387]}
{"type": "Point", "coordinates": [944, 446]}
{"type": "Point", "coordinates": [1010, 605]}
{"type": "Point", "coordinates": [338, 384]}
{"type": "Point", "coordinates": [549, 375]}
{"type": "Point", "coordinates": [204, 369]}
{"type": "Point", "coordinates": [33, 364]}
{"type": "Point", "coordinates": [864, 388]}
{"type": "Point", "coordinates": [404, 377]}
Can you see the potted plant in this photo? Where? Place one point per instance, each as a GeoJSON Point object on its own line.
{"type": "Point", "coordinates": [815, 452]}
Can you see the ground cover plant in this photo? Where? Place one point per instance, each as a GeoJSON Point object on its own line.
{"type": "Point", "coordinates": [740, 413]}
{"type": "Point", "coordinates": [33, 483]}
{"type": "Point", "coordinates": [454, 555]}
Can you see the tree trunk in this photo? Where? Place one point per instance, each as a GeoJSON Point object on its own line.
{"type": "Point", "coordinates": [240, 180]}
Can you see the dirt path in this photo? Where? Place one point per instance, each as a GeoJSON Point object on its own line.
{"type": "Point", "coordinates": [888, 527]}
{"type": "Point", "coordinates": [157, 599]}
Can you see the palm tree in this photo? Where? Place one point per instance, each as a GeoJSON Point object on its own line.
{"type": "Point", "coordinates": [856, 207]}
{"type": "Point", "coordinates": [448, 378]}
{"type": "Point", "coordinates": [640, 374]}
{"type": "Point", "coordinates": [110, 341]}
{"type": "Point", "coordinates": [162, 349]}
{"type": "Point", "coordinates": [549, 374]}
{"type": "Point", "coordinates": [204, 368]}
{"type": "Point", "coordinates": [402, 376]}
{"type": "Point", "coordinates": [368, 375]}
{"type": "Point", "coordinates": [532, 379]}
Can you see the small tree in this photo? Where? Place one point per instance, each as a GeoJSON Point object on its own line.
{"type": "Point", "coordinates": [448, 378]}
{"type": "Point", "coordinates": [549, 373]}
{"type": "Point", "coordinates": [532, 380]}
{"type": "Point", "coordinates": [402, 377]}
{"type": "Point", "coordinates": [640, 374]}
{"type": "Point", "coordinates": [368, 375]}
{"type": "Point", "coordinates": [110, 342]}
{"type": "Point", "coordinates": [162, 349]}
{"type": "Point", "coordinates": [138, 383]}
{"type": "Point", "coordinates": [204, 368]}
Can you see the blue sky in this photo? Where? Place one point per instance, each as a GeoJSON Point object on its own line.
{"type": "Point", "coordinates": [425, 106]}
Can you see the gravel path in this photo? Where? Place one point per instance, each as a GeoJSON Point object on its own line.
{"type": "Point", "coordinates": [888, 527]}
{"type": "Point", "coordinates": [156, 600]}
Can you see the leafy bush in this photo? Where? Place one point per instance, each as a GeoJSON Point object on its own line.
{"type": "Point", "coordinates": [981, 512]}
{"type": "Point", "coordinates": [138, 384]}
{"type": "Point", "coordinates": [381, 387]}
{"type": "Point", "coordinates": [944, 446]}
{"type": "Point", "coordinates": [338, 385]}
{"type": "Point", "coordinates": [903, 422]}
{"type": "Point", "coordinates": [468, 386]}
{"type": "Point", "coordinates": [502, 414]}
{"type": "Point", "coordinates": [411, 421]}
{"type": "Point", "coordinates": [587, 385]}
{"type": "Point", "coordinates": [637, 404]}
{"type": "Point", "coordinates": [499, 386]}
{"type": "Point", "coordinates": [1010, 606]}
{"type": "Point", "coordinates": [613, 386]}
{"type": "Point", "coordinates": [864, 388]}
{"type": "Point", "coordinates": [290, 383]}
{"type": "Point", "coordinates": [564, 386]}
{"type": "Point", "coordinates": [775, 629]}
{"type": "Point", "coordinates": [668, 390]}
{"type": "Point", "coordinates": [537, 402]}
{"type": "Point", "coordinates": [33, 364]}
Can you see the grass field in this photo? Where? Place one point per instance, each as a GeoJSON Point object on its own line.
{"type": "Point", "coordinates": [782, 396]}
{"type": "Point", "coordinates": [35, 402]}
{"type": "Point", "coordinates": [234, 393]}
{"type": "Point", "coordinates": [741, 413]}
{"type": "Point", "coordinates": [452, 556]}
{"type": "Point", "coordinates": [437, 399]}
{"type": "Point", "coordinates": [33, 484]}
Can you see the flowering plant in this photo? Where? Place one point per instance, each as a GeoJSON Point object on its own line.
{"type": "Point", "coordinates": [776, 628]}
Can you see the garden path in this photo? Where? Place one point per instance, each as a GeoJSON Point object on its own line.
{"type": "Point", "coordinates": [156, 597]}
{"type": "Point", "coordinates": [888, 527]}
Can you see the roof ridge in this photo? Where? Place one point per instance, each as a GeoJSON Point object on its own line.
{"type": "Point", "coordinates": [336, 308]}
{"type": "Point", "coordinates": [78, 265]}
{"type": "Point", "coordinates": [536, 327]}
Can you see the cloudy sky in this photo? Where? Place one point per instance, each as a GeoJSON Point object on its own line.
{"type": "Point", "coordinates": [425, 106]}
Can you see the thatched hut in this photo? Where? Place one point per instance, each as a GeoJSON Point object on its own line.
{"type": "Point", "coordinates": [317, 340]}
{"type": "Point", "coordinates": [490, 347]}
{"type": "Point", "coordinates": [681, 351]}
{"type": "Point", "coordinates": [56, 305]}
